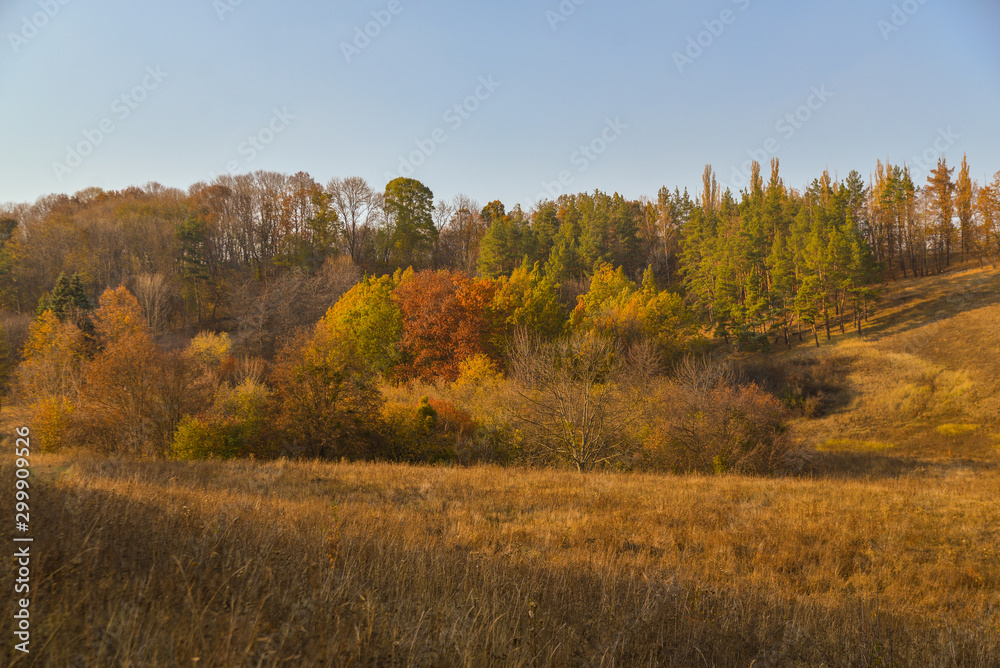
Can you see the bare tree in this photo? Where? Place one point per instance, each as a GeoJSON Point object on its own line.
{"type": "Point", "coordinates": [576, 399]}
{"type": "Point", "coordinates": [441, 216]}
{"type": "Point", "coordinates": [359, 208]}
{"type": "Point", "coordinates": [460, 238]}
{"type": "Point", "coordinates": [153, 294]}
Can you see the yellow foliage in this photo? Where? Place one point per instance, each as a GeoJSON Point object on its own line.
{"type": "Point", "coordinates": [119, 316]}
{"type": "Point", "coordinates": [853, 445]}
{"type": "Point", "coordinates": [478, 371]}
{"type": "Point", "coordinates": [956, 429]}
{"type": "Point", "coordinates": [210, 350]}
{"type": "Point", "coordinates": [50, 422]}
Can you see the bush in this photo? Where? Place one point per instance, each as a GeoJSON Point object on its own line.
{"type": "Point", "coordinates": [710, 420]}
{"type": "Point", "coordinates": [575, 400]}
{"type": "Point", "coordinates": [210, 351]}
{"type": "Point", "coordinates": [414, 435]}
{"type": "Point", "coordinates": [807, 385]}
{"type": "Point", "coordinates": [52, 423]}
{"type": "Point", "coordinates": [237, 426]}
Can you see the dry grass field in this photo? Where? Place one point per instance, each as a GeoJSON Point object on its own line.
{"type": "Point", "coordinates": [886, 554]}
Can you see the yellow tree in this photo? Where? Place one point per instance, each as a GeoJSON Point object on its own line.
{"type": "Point", "coordinates": [123, 377]}
{"type": "Point", "coordinates": [940, 189]}
{"type": "Point", "coordinates": [988, 206]}
{"type": "Point", "coordinates": [50, 377]}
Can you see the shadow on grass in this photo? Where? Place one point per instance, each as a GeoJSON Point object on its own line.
{"type": "Point", "coordinates": [877, 465]}
{"type": "Point", "coordinates": [933, 299]}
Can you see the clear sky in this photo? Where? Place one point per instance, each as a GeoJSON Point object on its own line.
{"type": "Point", "coordinates": [112, 93]}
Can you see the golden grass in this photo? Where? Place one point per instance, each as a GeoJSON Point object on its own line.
{"type": "Point", "coordinates": [890, 556]}
{"type": "Point", "coordinates": [929, 358]}
{"type": "Point", "coordinates": [852, 445]}
{"type": "Point", "coordinates": [956, 429]}
{"type": "Point", "coordinates": [158, 563]}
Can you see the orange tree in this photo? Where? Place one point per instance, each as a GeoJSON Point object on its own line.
{"type": "Point", "coordinates": [447, 318]}
{"type": "Point", "coordinates": [123, 392]}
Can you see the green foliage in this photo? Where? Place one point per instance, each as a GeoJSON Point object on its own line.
{"type": "Point", "coordinates": [67, 300]}
{"type": "Point", "coordinates": [368, 314]}
{"type": "Point", "coordinates": [529, 299]}
{"type": "Point", "coordinates": [236, 426]}
{"type": "Point", "coordinates": [616, 307]}
{"type": "Point", "coordinates": [776, 258]}
{"type": "Point", "coordinates": [409, 204]}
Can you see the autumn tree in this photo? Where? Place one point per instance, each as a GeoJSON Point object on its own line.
{"type": "Point", "coordinates": [618, 309]}
{"type": "Point", "coordinates": [461, 236]}
{"type": "Point", "coordinates": [940, 189]}
{"type": "Point", "coordinates": [575, 399]}
{"type": "Point", "coordinates": [359, 209]}
{"type": "Point", "coordinates": [965, 209]}
{"type": "Point", "coordinates": [326, 400]}
{"type": "Point", "coordinates": [447, 317]}
{"type": "Point", "coordinates": [124, 407]}
{"type": "Point", "coordinates": [372, 319]}
{"type": "Point", "coordinates": [528, 299]}
{"type": "Point", "coordinates": [49, 380]}
{"type": "Point", "coordinates": [988, 208]}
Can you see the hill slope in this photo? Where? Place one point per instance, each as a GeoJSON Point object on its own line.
{"type": "Point", "coordinates": [923, 378]}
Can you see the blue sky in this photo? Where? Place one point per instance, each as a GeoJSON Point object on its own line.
{"type": "Point", "coordinates": [179, 92]}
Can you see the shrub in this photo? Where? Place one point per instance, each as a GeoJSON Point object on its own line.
{"type": "Point", "coordinates": [709, 420]}
{"type": "Point", "coordinates": [237, 426]}
{"type": "Point", "coordinates": [807, 385]}
{"type": "Point", "coordinates": [326, 403]}
{"type": "Point", "coordinates": [412, 435]}
{"type": "Point", "coordinates": [575, 400]}
{"type": "Point", "coordinates": [52, 422]}
{"type": "Point", "coordinates": [476, 372]}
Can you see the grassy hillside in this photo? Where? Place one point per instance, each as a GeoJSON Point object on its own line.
{"type": "Point", "coordinates": [923, 379]}
{"type": "Point", "coordinates": [888, 553]}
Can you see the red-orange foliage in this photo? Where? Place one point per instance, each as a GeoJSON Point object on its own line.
{"type": "Point", "coordinates": [451, 419]}
{"type": "Point", "coordinates": [446, 319]}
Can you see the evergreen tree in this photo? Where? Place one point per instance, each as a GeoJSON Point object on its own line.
{"type": "Point", "coordinates": [964, 197]}
{"type": "Point", "coordinates": [940, 189]}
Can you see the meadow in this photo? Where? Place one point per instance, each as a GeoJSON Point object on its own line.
{"type": "Point", "coordinates": [883, 551]}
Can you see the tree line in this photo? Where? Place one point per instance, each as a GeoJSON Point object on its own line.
{"type": "Point", "coordinates": [266, 313]}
